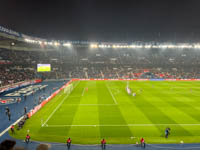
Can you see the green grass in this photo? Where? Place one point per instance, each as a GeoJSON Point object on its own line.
{"type": "Point", "coordinates": [107, 111]}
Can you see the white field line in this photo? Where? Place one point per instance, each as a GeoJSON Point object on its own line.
{"type": "Point", "coordinates": [83, 92]}
{"type": "Point", "coordinates": [93, 104]}
{"type": "Point", "coordinates": [58, 106]}
{"type": "Point", "coordinates": [111, 95]}
{"type": "Point", "coordinates": [122, 125]}
{"type": "Point", "coordinates": [74, 96]}
{"type": "Point", "coordinates": [7, 129]}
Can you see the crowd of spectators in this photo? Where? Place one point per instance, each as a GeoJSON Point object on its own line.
{"type": "Point", "coordinates": [16, 66]}
{"type": "Point", "coordinates": [11, 145]}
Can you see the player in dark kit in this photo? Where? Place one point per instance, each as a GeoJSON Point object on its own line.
{"type": "Point", "coordinates": [167, 132]}
{"type": "Point", "coordinates": [9, 116]}
{"type": "Point", "coordinates": [69, 143]}
{"type": "Point", "coordinates": [103, 144]}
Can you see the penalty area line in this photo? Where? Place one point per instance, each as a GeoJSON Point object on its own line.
{"type": "Point", "coordinates": [58, 106]}
{"type": "Point", "coordinates": [83, 92]}
{"type": "Point", "coordinates": [122, 125]}
{"type": "Point", "coordinates": [111, 94]}
{"type": "Point", "coordinates": [92, 104]}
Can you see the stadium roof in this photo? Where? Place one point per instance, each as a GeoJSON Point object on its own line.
{"type": "Point", "coordinates": [10, 39]}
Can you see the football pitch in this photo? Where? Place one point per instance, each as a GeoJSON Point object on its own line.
{"type": "Point", "coordinates": [103, 109]}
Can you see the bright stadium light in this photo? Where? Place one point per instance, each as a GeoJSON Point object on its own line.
{"type": "Point", "coordinates": [147, 46]}
{"type": "Point", "coordinates": [50, 43]}
{"type": "Point", "coordinates": [135, 46]}
{"type": "Point", "coordinates": [56, 44]}
{"type": "Point", "coordinates": [171, 46]}
{"type": "Point", "coordinates": [101, 46]}
{"type": "Point", "coordinates": [197, 46]}
{"type": "Point", "coordinates": [12, 44]}
{"type": "Point", "coordinates": [163, 46]}
{"type": "Point", "coordinates": [67, 44]}
{"type": "Point", "coordinates": [185, 46]}
{"type": "Point", "coordinates": [114, 46]}
{"type": "Point", "coordinates": [93, 46]}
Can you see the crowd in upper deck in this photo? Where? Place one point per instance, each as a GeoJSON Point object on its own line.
{"type": "Point", "coordinates": [16, 66]}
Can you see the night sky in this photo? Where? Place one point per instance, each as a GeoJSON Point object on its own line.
{"type": "Point", "coordinates": [104, 20]}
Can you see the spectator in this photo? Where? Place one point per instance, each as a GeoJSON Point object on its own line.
{"type": "Point", "coordinates": [20, 148]}
{"type": "Point", "coordinates": [68, 143]}
{"type": "Point", "coordinates": [27, 140]}
{"type": "Point", "coordinates": [12, 129]}
{"type": "Point", "coordinates": [103, 144]}
{"type": "Point", "coordinates": [42, 147]}
{"type": "Point", "coordinates": [7, 110]}
{"type": "Point", "coordinates": [142, 143]}
{"type": "Point", "coordinates": [8, 144]}
{"type": "Point", "coordinates": [25, 110]}
{"type": "Point", "coordinates": [9, 116]}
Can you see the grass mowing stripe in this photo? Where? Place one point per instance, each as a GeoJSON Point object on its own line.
{"type": "Point", "coordinates": [64, 115]}
{"type": "Point", "coordinates": [179, 130]}
{"type": "Point", "coordinates": [135, 116]}
{"type": "Point", "coordinates": [72, 109]}
{"type": "Point", "coordinates": [110, 115]}
{"type": "Point", "coordinates": [134, 120]}
{"type": "Point", "coordinates": [153, 113]}
{"type": "Point", "coordinates": [48, 107]}
{"type": "Point", "coordinates": [58, 106]}
{"type": "Point", "coordinates": [55, 110]}
{"type": "Point", "coordinates": [185, 108]}
{"type": "Point", "coordinates": [165, 100]}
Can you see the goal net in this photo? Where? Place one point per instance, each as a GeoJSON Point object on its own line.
{"type": "Point", "coordinates": [68, 89]}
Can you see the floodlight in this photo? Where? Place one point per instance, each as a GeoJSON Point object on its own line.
{"type": "Point", "coordinates": [197, 46]}
{"type": "Point", "coordinates": [147, 46]}
{"type": "Point", "coordinates": [93, 45]}
{"type": "Point", "coordinates": [67, 44]}
{"type": "Point", "coordinates": [56, 44]}
{"type": "Point", "coordinates": [12, 44]}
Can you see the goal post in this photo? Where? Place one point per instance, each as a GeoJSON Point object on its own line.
{"type": "Point", "coordinates": [68, 89]}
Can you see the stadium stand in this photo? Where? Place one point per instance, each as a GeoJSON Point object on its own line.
{"type": "Point", "coordinates": [19, 64]}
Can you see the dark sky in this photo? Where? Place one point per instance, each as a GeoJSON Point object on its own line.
{"type": "Point", "coordinates": [104, 20]}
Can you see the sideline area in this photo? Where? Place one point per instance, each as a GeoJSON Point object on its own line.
{"type": "Point", "coordinates": [17, 109]}
{"type": "Point", "coordinates": [61, 146]}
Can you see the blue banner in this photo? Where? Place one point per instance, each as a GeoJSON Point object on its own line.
{"type": "Point", "coordinates": [156, 79]}
{"type": "Point", "coordinates": [10, 32]}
